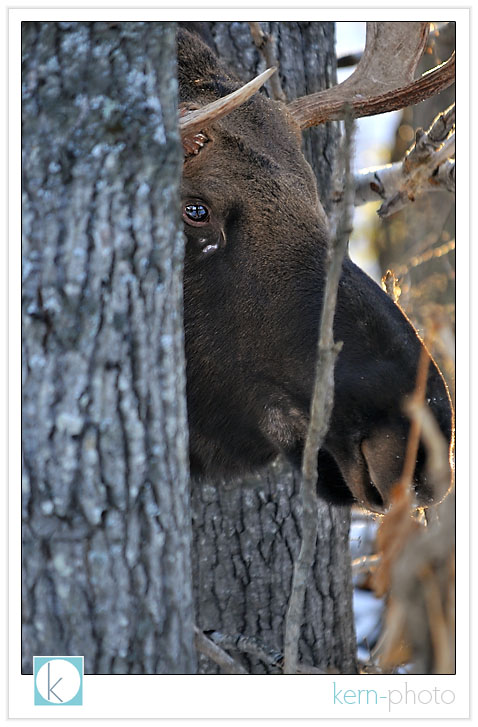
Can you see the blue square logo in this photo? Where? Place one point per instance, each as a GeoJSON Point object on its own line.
{"type": "Point", "coordinates": [58, 680]}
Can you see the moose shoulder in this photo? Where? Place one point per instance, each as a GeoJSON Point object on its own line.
{"type": "Point", "coordinates": [257, 241]}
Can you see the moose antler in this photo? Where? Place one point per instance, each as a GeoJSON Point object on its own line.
{"type": "Point", "coordinates": [383, 80]}
{"type": "Point", "coordinates": [193, 121]}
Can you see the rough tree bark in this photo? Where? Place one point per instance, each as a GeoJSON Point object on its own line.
{"type": "Point", "coordinates": [106, 520]}
{"type": "Point", "coordinates": [247, 534]}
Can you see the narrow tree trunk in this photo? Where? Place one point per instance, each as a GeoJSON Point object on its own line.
{"type": "Point", "coordinates": [247, 534]}
{"type": "Point", "coordinates": [106, 528]}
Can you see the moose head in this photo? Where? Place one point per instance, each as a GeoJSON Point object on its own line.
{"type": "Point", "coordinates": [257, 240]}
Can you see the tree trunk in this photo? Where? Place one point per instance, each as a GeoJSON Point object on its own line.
{"type": "Point", "coordinates": [106, 518]}
{"type": "Point", "coordinates": [247, 534]}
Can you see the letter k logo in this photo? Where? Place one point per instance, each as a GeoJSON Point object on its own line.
{"type": "Point", "coordinates": [50, 688]}
{"type": "Point", "coordinates": [58, 680]}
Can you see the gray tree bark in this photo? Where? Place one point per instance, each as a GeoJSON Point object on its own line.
{"type": "Point", "coordinates": [106, 519]}
{"type": "Point", "coordinates": [247, 534]}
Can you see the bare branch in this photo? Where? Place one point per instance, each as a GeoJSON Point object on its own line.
{"type": "Point", "coordinates": [321, 408]}
{"type": "Point", "coordinates": [427, 167]}
{"type": "Point", "coordinates": [265, 44]}
{"type": "Point", "coordinates": [424, 257]}
{"type": "Point", "coordinates": [247, 645]}
{"type": "Point", "coordinates": [386, 183]}
{"type": "Point", "coordinates": [210, 649]}
{"type": "Point", "coordinates": [251, 645]}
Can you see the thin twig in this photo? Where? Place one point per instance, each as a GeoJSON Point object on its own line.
{"type": "Point", "coordinates": [434, 252]}
{"type": "Point", "coordinates": [436, 446]}
{"type": "Point", "coordinates": [321, 408]}
{"type": "Point", "coordinates": [248, 645]}
{"type": "Point", "coordinates": [251, 645]}
{"type": "Point", "coordinates": [397, 524]}
{"type": "Point", "coordinates": [210, 649]}
{"type": "Point", "coordinates": [266, 46]}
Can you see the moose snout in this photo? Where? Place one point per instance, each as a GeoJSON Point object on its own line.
{"type": "Point", "coordinates": [388, 449]}
{"type": "Point", "coordinates": [384, 454]}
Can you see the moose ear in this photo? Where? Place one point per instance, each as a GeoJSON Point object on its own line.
{"type": "Point", "coordinates": [197, 61]}
{"type": "Point", "coordinates": [192, 142]}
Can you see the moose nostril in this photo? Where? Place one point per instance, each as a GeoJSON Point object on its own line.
{"type": "Point", "coordinates": [383, 454]}
{"type": "Point", "coordinates": [421, 485]}
{"type": "Point", "coordinates": [374, 498]}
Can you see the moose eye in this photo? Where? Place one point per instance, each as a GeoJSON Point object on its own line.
{"type": "Point", "coordinates": [196, 213]}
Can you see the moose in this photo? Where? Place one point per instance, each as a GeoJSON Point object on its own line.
{"type": "Point", "coordinates": [256, 247]}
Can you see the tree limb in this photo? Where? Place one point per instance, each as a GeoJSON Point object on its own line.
{"type": "Point", "coordinates": [427, 167]}
{"type": "Point", "coordinates": [247, 645]}
{"type": "Point", "coordinates": [266, 46]}
{"type": "Point", "coordinates": [214, 652]}
{"type": "Point", "coordinates": [251, 645]}
{"type": "Point", "coordinates": [321, 409]}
